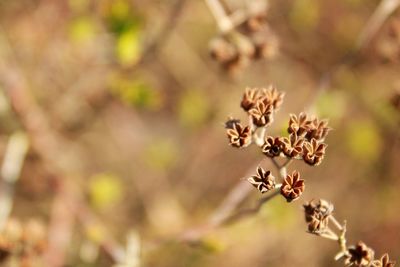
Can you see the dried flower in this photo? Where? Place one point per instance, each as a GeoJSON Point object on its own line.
{"type": "Point", "coordinates": [292, 146]}
{"type": "Point", "coordinates": [261, 114]}
{"type": "Point", "coordinates": [299, 124]}
{"type": "Point", "coordinates": [313, 152]}
{"type": "Point", "coordinates": [263, 180]}
{"type": "Point", "coordinates": [383, 262]}
{"type": "Point", "coordinates": [271, 147]}
{"type": "Point", "coordinates": [317, 214]}
{"type": "Point", "coordinates": [292, 186]}
{"type": "Point", "coordinates": [271, 96]}
{"type": "Point", "coordinates": [318, 129]}
{"type": "Point", "coordinates": [249, 98]}
{"type": "Point", "coordinates": [238, 135]}
{"type": "Point", "coordinates": [359, 255]}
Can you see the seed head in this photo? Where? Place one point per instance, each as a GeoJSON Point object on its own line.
{"type": "Point", "coordinates": [314, 152]}
{"type": "Point", "coordinates": [292, 186]}
{"type": "Point", "coordinates": [272, 147]}
{"type": "Point", "coordinates": [262, 114]}
{"type": "Point", "coordinates": [263, 180]}
{"type": "Point", "coordinates": [238, 135]}
{"type": "Point", "coordinates": [359, 255]}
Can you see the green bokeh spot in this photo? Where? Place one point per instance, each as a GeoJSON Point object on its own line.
{"type": "Point", "coordinates": [194, 108]}
{"type": "Point", "coordinates": [363, 140]}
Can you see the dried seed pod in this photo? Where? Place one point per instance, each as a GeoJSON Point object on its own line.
{"type": "Point", "coordinates": [292, 146]}
{"type": "Point", "coordinates": [359, 255]}
{"type": "Point", "coordinates": [317, 214]}
{"type": "Point", "coordinates": [383, 262]}
{"type": "Point", "coordinates": [250, 98]}
{"type": "Point", "coordinates": [262, 114]}
{"type": "Point", "coordinates": [271, 147]}
{"type": "Point", "coordinates": [263, 180]}
{"type": "Point", "coordinates": [313, 152]}
{"type": "Point", "coordinates": [271, 96]}
{"type": "Point", "coordinates": [318, 129]}
{"type": "Point", "coordinates": [299, 124]}
{"type": "Point", "coordinates": [238, 135]}
{"type": "Point", "coordinates": [292, 186]}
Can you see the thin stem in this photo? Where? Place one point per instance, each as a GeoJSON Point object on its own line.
{"type": "Point", "coordinates": [329, 235]}
{"type": "Point", "coordinates": [13, 162]}
{"type": "Point", "coordinates": [336, 223]}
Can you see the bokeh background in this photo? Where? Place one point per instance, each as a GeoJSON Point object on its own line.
{"type": "Point", "coordinates": [122, 110]}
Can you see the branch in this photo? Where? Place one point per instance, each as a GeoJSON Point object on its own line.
{"type": "Point", "coordinates": [382, 12]}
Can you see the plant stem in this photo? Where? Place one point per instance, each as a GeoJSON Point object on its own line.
{"type": "Point", "coordinates": [223, 21]}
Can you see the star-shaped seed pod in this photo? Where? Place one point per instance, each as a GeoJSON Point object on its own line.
{"type": "Point", "coordinates": [299, 124]}
{"type": "Point", "coordinates": [271, 96]}
{"type": "Point", "coordinates": [261, 114]}
{"type": "Point", "coordinates": [313, 152]}
{"type": "Point", "coordinates": [318, 129]}
{"type": "Point", "coordinates": [292, 146]}
{"type": "Point", "coordinates": [238, 135]}
{"type": "Point", "coordinates": [250, 98]}
{"type": "Point", "coordinates": [271, 147]}
{"type": "Point", "coordinates": [359, 255]}
{"type": "Point", "coordinates": [263, 180]}
{"type": "Point", "coordinates": [292, 186]}
{"type": "Point", "coordinates": [317, 214]}
{"type": "Point", "coordinates": [383, 262]}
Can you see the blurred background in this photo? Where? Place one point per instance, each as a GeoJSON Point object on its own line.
{"type": "Point", "coordinates": [112, 138]}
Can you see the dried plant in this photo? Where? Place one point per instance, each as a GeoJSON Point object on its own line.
{"type": "Point", "coordinates": [247, 38]}
{"type": "Point", "coordinates": [305, 141]}
{"type": "Point", "coordinates": [319, 215]}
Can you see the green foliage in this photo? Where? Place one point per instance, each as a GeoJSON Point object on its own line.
{"type": "Point", "coordinates": [363, 140]}
{"type": "Point", "coordinates": [136, 93]}
{"type": "Point", "coordinates": [82, 29]}
{"type": "Point", "coordinates": [331, 105]}
{"type": "Point", "coordinates": [193, 109]}
{"type": "Point", "coordinates": [105, 190]}
{"type": "Point", "coordinates": [161, 154]}
{"type": "Point", "coordinates": [128, 47]}
{"type": "Point", "coordinates": [304, 15]}
{"type": "Point", "coordinates": [126, 26]}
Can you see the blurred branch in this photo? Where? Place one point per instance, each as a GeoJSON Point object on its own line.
{"type": "Point", "coordinates": [164, 33]}
{"type": "Point", "coordinates": [225, 213]}
{"type": "Point", "coordinates": [48, 144]}
{"type": "Point", "coordinates": [382, 12]}
{"type": "Point", "coordinates": [224, 23]}
{"type": "Point", "coordinates": [10, 171]}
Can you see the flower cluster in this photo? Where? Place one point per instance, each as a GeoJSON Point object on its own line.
{"type": "Point", "coordinates": [318, 214]}
{"type": "Point", "coordinates": [305, 140]}
{"type": "Point", "coordinates": [251, 39]}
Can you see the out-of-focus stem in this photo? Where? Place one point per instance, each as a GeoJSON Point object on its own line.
{"type": "Point", "coordinates": [223, 21]}
{"type": "Point", "coordinates": [382, 12]}
{"type": "Point", "coordinates": [10, 171]}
